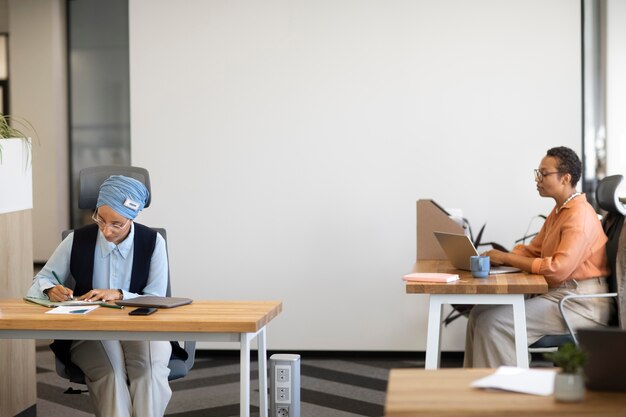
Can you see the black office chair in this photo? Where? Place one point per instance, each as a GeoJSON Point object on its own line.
{"type": "Point", "coordinates": [615, 230]}
{"type": "Point", "coordinates": [89, 182]}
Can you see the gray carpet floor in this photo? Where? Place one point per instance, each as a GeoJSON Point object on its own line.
{"type": "Point", "coordinates": [332, 385]}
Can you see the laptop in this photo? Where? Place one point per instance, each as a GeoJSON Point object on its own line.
{"type": "Point", "coordinates": [459, 248]}
{"type": "Point", "coordinates": [605, 368]}
{"type": "Point", "coordinates": [154, 301]}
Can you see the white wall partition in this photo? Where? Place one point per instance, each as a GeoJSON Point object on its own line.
{"type": "Point", "coordinates": [288, 141]}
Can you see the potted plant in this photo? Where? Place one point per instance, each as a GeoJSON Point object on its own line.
{"type": "Point", "coordinates": [8, 132]}
{"type": "Point", "coordinates": [15, 164]}
{"type": "Point", "coordinates": [569, 383]}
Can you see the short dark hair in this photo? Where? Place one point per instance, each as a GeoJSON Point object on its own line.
{"type": "Point", "coordinates": [568, 162]}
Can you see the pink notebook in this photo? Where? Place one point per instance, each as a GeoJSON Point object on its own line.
{"type": "Point", "coordinates": [430, 277]}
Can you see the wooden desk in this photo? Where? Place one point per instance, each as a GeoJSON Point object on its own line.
{"type": "Point", "coordinates": [447, 392]}
{"type": "Point", "coordinates": [224, 321]}
{"type": "Point", "coordinates": [495, 289]}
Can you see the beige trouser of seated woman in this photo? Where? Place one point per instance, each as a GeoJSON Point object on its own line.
{"type": "Point", "coordinates": [490, 340]}
{"type": "Point", "coordinates": [125, 378]}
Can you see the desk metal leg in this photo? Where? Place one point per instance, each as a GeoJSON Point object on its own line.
{"type": "Point", "coordinates": [433, 337]}
{"type": "Point", "coordinates": [521, 338]}
{"type": "Point", "coordinates": [262, 353]}
{"type": "Point", "coordinates": [244, 394]}
{"type": "Point", "coordinates": [433, 341]}
{"type": "Point", "coordinates": [244, 377]}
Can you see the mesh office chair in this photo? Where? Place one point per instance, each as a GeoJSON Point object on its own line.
{"type": "Point", "coordinates": [89, 182]}
{"type": "Point", "coordinates": [613, 225]}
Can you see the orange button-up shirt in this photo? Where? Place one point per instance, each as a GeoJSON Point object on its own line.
{"type": "Point", "coordinates": [570, 245]}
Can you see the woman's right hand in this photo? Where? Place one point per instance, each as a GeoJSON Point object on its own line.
{"type": "Point", "coordinates": [59, 293]}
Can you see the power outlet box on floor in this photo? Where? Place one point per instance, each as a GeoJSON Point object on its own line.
{"type": "Point", "coordinates": [284, 385]}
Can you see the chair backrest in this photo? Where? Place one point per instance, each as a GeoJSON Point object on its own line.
{"type": "Point", "coordinates": [607, 196]}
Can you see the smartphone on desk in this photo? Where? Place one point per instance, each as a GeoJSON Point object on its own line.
{"type": "Point", "coordinates": [142, 311]}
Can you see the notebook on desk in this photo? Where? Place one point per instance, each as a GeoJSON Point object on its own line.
{"type": "Point", "coordinates": [69, 303]}
{"type": "Point", "coordinates": [605, 369]}
{"type": "Point", "coordinates": [459, 248]}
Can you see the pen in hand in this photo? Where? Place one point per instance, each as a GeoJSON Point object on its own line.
{"type": "Point", "coordinates": [60, 283]}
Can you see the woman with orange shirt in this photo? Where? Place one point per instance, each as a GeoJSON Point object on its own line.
{"type": "Point", "coordinates": [569, 251]}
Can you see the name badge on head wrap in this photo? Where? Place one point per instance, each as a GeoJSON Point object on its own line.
{"type": "Point", "coordinates": [126, 196]}
{"type": "Point", "coordinates": [133, 205]}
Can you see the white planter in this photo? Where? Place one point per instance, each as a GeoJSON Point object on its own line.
{"type": "Point", "coordinates": [16, 176]}
{"type": "Point", "coordinates": [569, 388]}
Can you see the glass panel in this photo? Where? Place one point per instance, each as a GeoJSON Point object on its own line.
{"type": "Point", "coordinates": [99, 89]}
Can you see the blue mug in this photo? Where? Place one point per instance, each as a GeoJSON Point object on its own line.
{"type": "Point", "coordinates": [480, 266]}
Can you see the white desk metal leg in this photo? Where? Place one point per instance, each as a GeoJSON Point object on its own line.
{"type": "Point", "coordinates": [433, 342]}
{"type": "Point", "coordinates": [262, 353]}
{"type": "Point", "coordinates": [244, 377]}
{"type": "Point", "coordinates": [433, 337]}
{"type": "Point", "coordinates": [521, 339]}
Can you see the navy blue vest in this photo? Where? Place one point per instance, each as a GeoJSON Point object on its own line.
{"type": "Point", "coordinates": [84, 249]}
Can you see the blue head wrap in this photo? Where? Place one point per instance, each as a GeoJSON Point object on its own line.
{"type": "Point", "coordinates": [125, 195]}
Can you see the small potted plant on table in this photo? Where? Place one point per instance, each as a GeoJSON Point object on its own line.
{"type": "Point", "coordinates": [569, 383]}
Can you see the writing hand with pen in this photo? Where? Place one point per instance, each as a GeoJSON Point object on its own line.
{"type": "Point", "coordinates": [59, 292]}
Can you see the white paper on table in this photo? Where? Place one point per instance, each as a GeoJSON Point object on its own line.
{"type": "Point", "coordinates": [72, 309]}
{"type": "Point", "coordinates": [527, 381]}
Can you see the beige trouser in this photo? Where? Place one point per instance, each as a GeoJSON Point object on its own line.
{"type": "Point", "coordinates": [490, 340]}
{"type": "Point", "coordinates": [125, 378]}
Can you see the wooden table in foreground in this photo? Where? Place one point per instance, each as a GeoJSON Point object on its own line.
{"type": "Point", "coordinates": [221, 321]}
{"type": "Point", "coordinates": [447, 392]}
{"type": "Point", "coordinates": [495, 289]}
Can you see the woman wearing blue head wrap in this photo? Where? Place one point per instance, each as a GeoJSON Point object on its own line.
{"type": "Point", "coordinates": [113, 259]}
{"type": "Point", "coordinates": [119, 201]}
{"type": "Point", "coordinates": [125, 195]}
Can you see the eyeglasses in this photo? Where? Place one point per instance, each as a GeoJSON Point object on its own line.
{"type": "Point", "coordinates": [539, 176]}
{"type": "Point", "coordinates": [101, 224]}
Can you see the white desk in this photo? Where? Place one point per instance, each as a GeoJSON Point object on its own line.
{"type": "Point", "coordinates": [222, 321]}
{"type": "Point", "coordinates": [495, 289]}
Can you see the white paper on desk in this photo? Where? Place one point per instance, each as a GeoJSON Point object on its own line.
{"type": "Point", "coordinates": [527, 381]}
{"type": "Point", "coordinates": [72, 309]}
